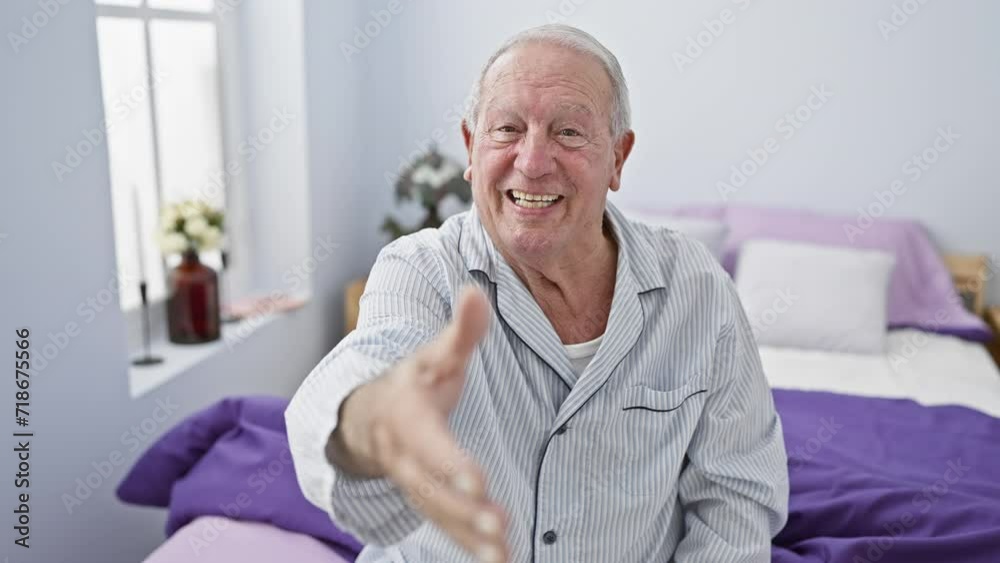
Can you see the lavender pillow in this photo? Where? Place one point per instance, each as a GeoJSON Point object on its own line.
{"type": "Point", "coordinates": [921, 292]}
{"type": "Point", "coordinates": [711, 233]}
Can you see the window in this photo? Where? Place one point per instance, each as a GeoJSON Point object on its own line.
{"type": "Point", "coordinates": [161, 81]}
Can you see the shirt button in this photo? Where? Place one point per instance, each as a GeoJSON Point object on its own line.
{"type": "Point", "coordinates": [549, 537]}
{"type": "Point", "coordinates": [561, 430]}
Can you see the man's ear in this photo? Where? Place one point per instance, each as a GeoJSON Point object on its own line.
{"type": "Point", "coordinates": [622, 149]}
{"type": "Point", "coordinates": [467, 137]}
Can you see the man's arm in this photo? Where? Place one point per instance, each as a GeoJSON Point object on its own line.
{"type": "Point", "coordinates": [400, 310]}
{"type": "Point", "coordinates": [370, 421]}
{"type": "Point", "coordinates": [734, 490]}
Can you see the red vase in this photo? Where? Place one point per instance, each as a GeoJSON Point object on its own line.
{"type": "Point", "coordinates": [192, 302]}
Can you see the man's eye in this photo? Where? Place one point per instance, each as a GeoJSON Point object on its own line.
{"type": "Point", "coordinates": [506, 129]}
{"type": "Point", "coordinates": [569, 132]}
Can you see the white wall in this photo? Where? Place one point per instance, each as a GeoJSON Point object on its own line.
{"type": "Point", "coordinates": [59, 251]}
{"type": "Point", "coordinates": [272, 93]}
{"type": "Point", "coordinates": [889, 98]}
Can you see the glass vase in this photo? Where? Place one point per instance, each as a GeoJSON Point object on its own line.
{"type": "Point", "coordinates": [192, 301]}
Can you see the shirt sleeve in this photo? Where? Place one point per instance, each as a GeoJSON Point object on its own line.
{"type": "Point", "coordinates": [400, 310]}
{"type": "Point", "coordinates": [734, 489]}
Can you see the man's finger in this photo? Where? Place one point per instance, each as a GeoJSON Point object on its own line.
{"type": "Point", "coordinates": [476, 524]}
{"type": "Point", "coordinates": [433, 447]}
{"type": "Point", "coordinates": [445, 484]}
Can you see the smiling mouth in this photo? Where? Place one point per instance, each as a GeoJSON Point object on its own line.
{"type": "Point", "coordinates": [532, 201]}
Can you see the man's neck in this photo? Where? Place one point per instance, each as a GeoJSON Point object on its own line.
{"type": "Point", "coordinates": [574, 292]}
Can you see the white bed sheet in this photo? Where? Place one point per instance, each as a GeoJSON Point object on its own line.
{"type": "Point", "coordinates": [931, 369]}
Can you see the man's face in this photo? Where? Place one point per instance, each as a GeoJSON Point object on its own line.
{"type": "Point", "coordinates": [543, 132]}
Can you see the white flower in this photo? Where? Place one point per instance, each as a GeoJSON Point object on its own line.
{"type": "Point", "coordinates": [173, 243]}
{"type": "Point", "coordinates": [440, 177]}
{"type": "Point", "coordinates": [423, 174]}
{"type": "Point", "coordinates": [195, 226]}
{"type": "Point", "coordinates": [209, 239]}
{"type": "Point", "coordinates": [169, 216]}
{"type": "Point", "coordinates": [189, 209]}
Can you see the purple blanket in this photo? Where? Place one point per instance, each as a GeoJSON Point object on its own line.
{"type": "Point", "coordinates": [231, 459]}
{"type": "Point", "coordinates": [889, 481]}
{"type": "Point", "coordinates": [871, 479]}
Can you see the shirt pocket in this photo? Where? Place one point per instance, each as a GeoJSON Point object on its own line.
{"type": "Point", "coordinates": [648, 436]}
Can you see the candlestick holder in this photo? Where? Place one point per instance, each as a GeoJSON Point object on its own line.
{"type": "Point", "coordinates": [227, 311]}
{"type": "Point", "coordinates": [147, 359]}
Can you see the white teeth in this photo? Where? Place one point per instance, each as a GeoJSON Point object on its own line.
{"type": "Point", "coordinates": [532, 204]}
{"type": "Point", "coordinates": [533, 197]}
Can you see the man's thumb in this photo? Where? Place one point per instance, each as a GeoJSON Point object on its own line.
{"type": "Point", "coordinates": [468, 326]}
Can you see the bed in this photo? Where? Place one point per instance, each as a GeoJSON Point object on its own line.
{"type": "Point", "coordinates": [890, 464]}
{"type": "Point", "coordinates": [218, 539]}
{"type": "Point", "coordinates": [893, 456]}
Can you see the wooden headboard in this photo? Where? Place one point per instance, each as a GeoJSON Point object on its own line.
{"type": "Point", "coordinates": [970, 272]}
{"type": "Point", "coordinates": [352, 299]}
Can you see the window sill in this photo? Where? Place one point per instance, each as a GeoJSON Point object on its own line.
{"type": "Point", "coordinates": [181, 358]}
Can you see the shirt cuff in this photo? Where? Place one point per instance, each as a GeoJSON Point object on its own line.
{"type": "Point", "coordinates": [374, 510]}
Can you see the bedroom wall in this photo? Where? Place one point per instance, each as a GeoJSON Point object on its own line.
{"type": "Point", "coordinates": [695, 119]}
{"type": "Point", "coordinates": [57, 250]}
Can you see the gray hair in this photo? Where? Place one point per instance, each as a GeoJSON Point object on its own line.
{"type": "Point", "coordinates": [577, 40]}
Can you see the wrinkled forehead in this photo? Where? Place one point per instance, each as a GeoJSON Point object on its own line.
{"type": "Point", "coordinates": [565, 78]}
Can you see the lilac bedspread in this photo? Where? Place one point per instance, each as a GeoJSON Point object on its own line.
{"type": "Point", "coordinates": [871, 479]}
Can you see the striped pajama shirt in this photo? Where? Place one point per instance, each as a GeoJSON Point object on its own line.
{"type": "Point", "coordinates": [666, 448]}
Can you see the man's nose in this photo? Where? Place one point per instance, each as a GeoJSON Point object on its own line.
{"type": "Point", "coordinates": [536, 155]}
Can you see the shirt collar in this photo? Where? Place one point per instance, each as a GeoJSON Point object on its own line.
{"type": "Point", "coordinates": [480, 254]}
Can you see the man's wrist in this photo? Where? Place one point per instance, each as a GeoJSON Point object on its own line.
{"type": "Point", "coordinates": [349, 447]}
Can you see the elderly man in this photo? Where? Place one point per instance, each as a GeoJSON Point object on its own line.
{"type": "Point", "coordinates": [541, 379]}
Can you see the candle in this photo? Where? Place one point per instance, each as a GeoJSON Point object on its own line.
{"type": "Point", "coordinates": [138, 234]}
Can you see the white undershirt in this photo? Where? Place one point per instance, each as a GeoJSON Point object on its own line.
{"type": "Point", "coordinates": [581, 354]}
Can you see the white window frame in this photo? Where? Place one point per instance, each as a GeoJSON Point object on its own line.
{"type": "Point", "coordinates": [228, 135]}
{"type": "Point", "coordinates": [146, 14]}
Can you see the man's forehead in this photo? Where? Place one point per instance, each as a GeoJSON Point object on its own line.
{"type": "Point", "coordinates": [570, 74]}
{"type": "Point", "coordinates": [501, 104]}
{"type": "Point", "coordinates": [545, 62]}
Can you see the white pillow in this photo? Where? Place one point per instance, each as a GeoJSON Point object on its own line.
{"type": "Point", "coordinates": [800, 295]}
{"type": "Point", "coordinates": [710, 233]}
